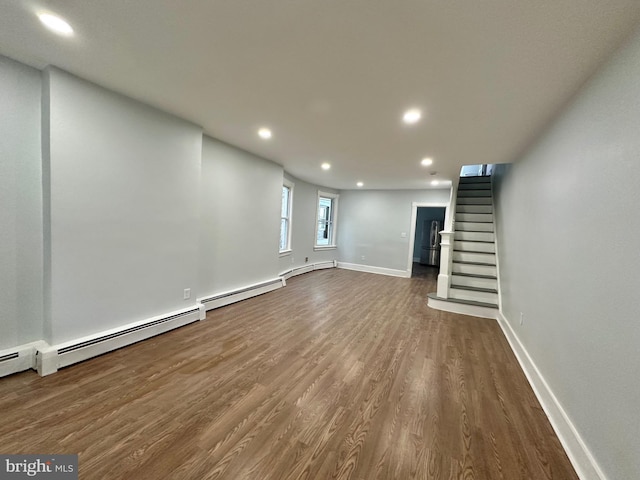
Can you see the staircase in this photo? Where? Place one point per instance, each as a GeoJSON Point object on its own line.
{"type": "Point", "coordinates": [468, 281]}
{"type": "Point", "coordinates": [473, 273]}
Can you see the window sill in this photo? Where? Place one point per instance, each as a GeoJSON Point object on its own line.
{"type": "Point", "coordinates": [285, 253]}
{"type": "Point", "coordinates": [323, 247]}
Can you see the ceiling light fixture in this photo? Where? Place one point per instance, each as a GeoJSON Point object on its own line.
{"type": "Point", "coordinates": [325, 166]}
{"type": "Point", "coordinates": [264, 133]}
{"type": "Point", "coordinates": [56, 24]}
{"type": "Point", "coordinates": [412, 116]}
{"type": "Point", "coordinates": [435, 182]}
{"type": "Point", "coordinates": [360, 184]}
{"type": "Point", "coordinates": [426, 161]}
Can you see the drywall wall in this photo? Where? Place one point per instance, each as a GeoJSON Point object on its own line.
{"type": "Point", "coordinates": [21, 297]}
{"type": "Point", "coordinates": [568, 234]}
{"type": "Point", "coordinates": [123, 202]}
{"type": "Point", "coordinates": [240, 218]}
{"type": "Point", "coordinates": [303, 226]}
{"type": "Point", "coordinates": [371, 224]}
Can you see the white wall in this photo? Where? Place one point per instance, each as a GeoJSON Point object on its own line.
{"type": "Point", "coordinates": [303, 232]}
{"type": "Point", "coordinates": [568, 229]}
{"type": "Point", "coordinates": [371, 222]}
{"type": "Point", "coordinates": [123, 207]}
{"type": "Point", "coordinates": [21, 297]}
{"type": "Point", "coordinates": [240, 218]}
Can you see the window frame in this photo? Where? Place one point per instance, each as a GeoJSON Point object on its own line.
{"type": "Point", "coordinates": [289, 219]}
{"type": "Point", "coordinates": [333, 221]}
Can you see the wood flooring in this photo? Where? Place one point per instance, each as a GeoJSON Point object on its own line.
{"type": "Point", "coordinates": [339, 375]}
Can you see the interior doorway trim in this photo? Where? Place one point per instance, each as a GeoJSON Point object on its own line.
{"type": "Point", "coordinates": [412, 235]}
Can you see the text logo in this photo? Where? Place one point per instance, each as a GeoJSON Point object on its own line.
{"type": "Point", "coordinates": [50, 467]}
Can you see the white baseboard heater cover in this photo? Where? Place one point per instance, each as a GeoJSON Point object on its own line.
{"type": "Point", "coordinates": [18, 359]}
{"type": "Point", "coordinates": [50, 359]}
{"type": "Point", "coordinates": [233, 296]}
{"type": "Point", "coordinates": [308, 268]}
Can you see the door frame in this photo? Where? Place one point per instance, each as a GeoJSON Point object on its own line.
{"type": "Point", "coordinates": [414, 219]}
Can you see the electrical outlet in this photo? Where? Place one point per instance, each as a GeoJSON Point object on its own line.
{"type": "Point", "coordinates": [306, 259]}
{"type": "Point", "coordinates": [187, 293]}
{"type": "Point", "coordinates": [521, 318]}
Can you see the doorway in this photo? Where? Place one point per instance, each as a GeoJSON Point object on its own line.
{"type": "Point", "coordinates": [429, 222]}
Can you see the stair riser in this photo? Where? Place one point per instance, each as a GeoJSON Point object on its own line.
{"type": "Point", "coordinates": [474, 236]}
{"type": "Point", "coordinates": [474, 269]}
{"type": "Point", "coordinates": [474, 209]}
{"type": "Point", "coordinates": [474, 186]}
{"type": "Point", "coordinates": [474, 201]}
{"type": "Point", "coordinates": [474, 217]}
{"type": "Point", "coordinates": [474, 282]}
{"type": "Point", "coordinates": [474, 246]}
{"type": "Point", "coordinates": [474, 193]}
{"type": "Point", "coordinates": [489, 258]}
{"type": "Point", "coordinates": [474, 227]}
{"type": "Point", "coordinates": [475, 180]}
{"type": "Point", "coordinates": [486, 297]}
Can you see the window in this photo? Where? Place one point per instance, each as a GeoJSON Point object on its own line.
{"type": "Point", "coordinates": [285, 217]}
{"type": "Point", "coordinates": [327, 216]}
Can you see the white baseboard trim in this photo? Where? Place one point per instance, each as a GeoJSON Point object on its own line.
{"type": "Point", "coordinates": [463, 308]}
{"type": "Point", "coordinates": [232, 296]}
{"type": "Point", "coordinates": [19, 358]}
{"type": "Point", "coordinates": [581, 458]}
{"type": "Point", "coordinates": [371, 269]}
{"type": "Point", "coordinates": [50, 358]}
{"type": "Point", "coordinates": [287, 274]}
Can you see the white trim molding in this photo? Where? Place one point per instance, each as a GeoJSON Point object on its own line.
{"type": "Point", "coordinates": [232, 296]}
{"type": "Point", "coordinates": [581, 458]}
{"type": "Point", "coordinates": [378, 270]}
{"type": "Point", "coordinates": [412, 226]}
{"type": "Point", "coordinates": [332, 220]}
{"type": "Point", "coordinates": [286, 183]}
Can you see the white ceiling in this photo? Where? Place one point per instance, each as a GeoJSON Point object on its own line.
{"type": "Point", "coordinates": [332, 78]}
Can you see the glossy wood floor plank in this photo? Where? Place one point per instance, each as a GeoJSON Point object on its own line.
{"type": "Point", "coordinates": [340, 375]}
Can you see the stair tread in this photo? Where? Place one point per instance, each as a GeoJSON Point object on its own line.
{"type": "Point", "coordinates": [466, 302]}
{"type": "Point", "coordinates": [475, 263]}
{"type": "Point", "coordinates": [474, 241]}
{"type": "Point", "coordinates": [471, 231]}
{"type": "Point", "coordinates": [473, 275]}
{"type": "Point", "coordinates": [472, 221]}
{"type": "Point", "coordinates": [473, 251]}
{"type": "Point", "coordinates": [474, 289]}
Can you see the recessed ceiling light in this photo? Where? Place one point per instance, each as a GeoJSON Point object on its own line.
{"type": "Point", "coordinates": [426, 162]}
{"type": "Point", "coordinates": [412, 116]}
{"type": "Point", "coordinates": [325, 166]}
{"type": "Point", "coordinates": [264, 133]}
{"type": "Point", "coordinates": [435, 182]}
{"type": "Point", "coordinates": [360, 184]}
{"type": "Point", "coordinates": [56, 24]}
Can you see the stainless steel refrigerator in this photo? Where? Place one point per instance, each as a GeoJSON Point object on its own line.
{"type": "Point", "coordinates": [430, 251]}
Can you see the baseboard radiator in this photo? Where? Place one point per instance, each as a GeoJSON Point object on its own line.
{"type": "Point", "coordinates": [18, 359]}
{"type": "Point", "coordinates": [49, 359]}
{"type": "Point", "coordinates": [308, 268]}
{"type": "Point", "coordinates": [233, 296]}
